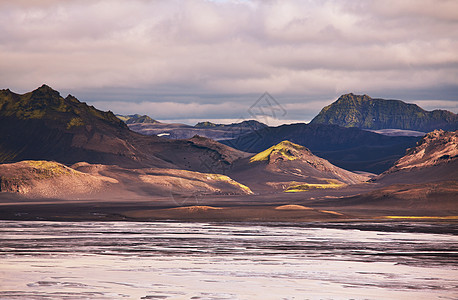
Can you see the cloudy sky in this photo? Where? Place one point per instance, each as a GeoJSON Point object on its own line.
{"type": "Point", "coordinates": [211, 60]}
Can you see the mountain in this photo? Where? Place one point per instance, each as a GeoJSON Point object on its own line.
{"type": "Point", "coordinates": [290, 167]}
{"type": "Point", "coordinates": [349, 148]}
{"type": "Point", "coordinates": [434, 158]}
{"type": "Point", "coordinates": [134, 119]}
{"type": "Point", "coordinates": [42, 125]}
{"type": "Point", "coordinates": [424, 182]}
{"type": "Point", "coordinates": [204, 129]}
{"type": "Point", "coordinates": [364, 112]}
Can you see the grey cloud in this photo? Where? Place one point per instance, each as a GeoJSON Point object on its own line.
{"type": "Point", "coordinates": [230, 51]}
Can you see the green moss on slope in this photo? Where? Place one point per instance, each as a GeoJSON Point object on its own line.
{"type": "Point", "coordinates": [286, 149]}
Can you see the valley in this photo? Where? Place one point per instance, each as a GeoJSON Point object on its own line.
{"type": "Point", "coordinates": [65, 160]}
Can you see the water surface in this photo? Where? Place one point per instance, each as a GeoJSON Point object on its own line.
{"type": "Point", "coordinates": [165, 260]}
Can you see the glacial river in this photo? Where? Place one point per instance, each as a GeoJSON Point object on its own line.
{"type": "Point", "coordinates": [166, 260]}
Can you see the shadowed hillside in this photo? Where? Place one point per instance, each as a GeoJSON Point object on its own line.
{"type": "Point", "coordinates": [42, 125]}
{"type": "Point", "coordinates": [349, 148]}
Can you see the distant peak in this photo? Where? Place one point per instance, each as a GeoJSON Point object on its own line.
{"type": "Point", "coordinates": [45, 87]}
{"type": "Point", "coordinates": [354, 96]}
{"type": "Point", "coordinates": [206, 124]}
{"type": "Point", "coordinates": [45, 90]}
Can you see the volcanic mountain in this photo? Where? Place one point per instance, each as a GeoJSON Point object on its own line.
{"type": "Point", "coordinates": [42, 125]}
{"type": "Point", "coordinates": [291, 168]}
{"type": "Point", "coordinates": [349, 148]}
{"type": "Point", "coordinates": [364, 112]}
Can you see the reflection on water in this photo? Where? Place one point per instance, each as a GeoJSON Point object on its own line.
{"type": "Point", "coordinates": [112, 260]}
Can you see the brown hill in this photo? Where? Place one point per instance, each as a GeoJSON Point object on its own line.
{"type": "Point", "coordinates": [434, 158]}
{"type": "Point", "coordinates": [50, 180]}
{"type": "Point", "coordinates": [424, 182]}
{"type": "Point", "coordinates": [44, 179]}
{"type": "Point", "coordinates": [291, 168]}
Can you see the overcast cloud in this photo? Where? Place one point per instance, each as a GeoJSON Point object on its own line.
{"type": "Point", "coordinates": [183, 60]}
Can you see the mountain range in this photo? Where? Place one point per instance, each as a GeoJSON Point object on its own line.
{"type": "Point", "coordinates": [61, 148]}
{"type": "Point", "coordinates": [182, 131]}
{"type": "Point", "coordinates": [43, 126]}
{"type": "Point", "coordinates": [338, 133]}
{"type": "Point", "coordinates": [349, 148]}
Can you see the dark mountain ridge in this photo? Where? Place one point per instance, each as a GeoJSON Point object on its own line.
{"type": "Point", "coordinates": [348, 148]}
{"type": "Point", "coordinates": [364, 112]}
{"type": "Point", "coordinates": [42, 125]}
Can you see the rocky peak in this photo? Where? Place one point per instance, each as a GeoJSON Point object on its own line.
{"type": "Point", "coordinates": [351, 98]}
{"type": "Point", "coordinates": [365, 112]}
{"type": "Point", "coordinates": [44, 103]}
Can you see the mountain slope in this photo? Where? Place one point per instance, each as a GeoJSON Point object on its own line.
{"type": "Point", "coordinates": [348, 148]}
{"type": "Point", "coordinates": [44, 179]}
{"type": "Point", "coordinates": [364, 112]}
{"type": "Point", "coordinates": [42, 125]}
{"type": "Point", "coordinates": [50, 179]}
{"type": "Point", "coordinates": [434, 158]}
{"type": "Point", "coordinates": [424, 182]}
{"type": "Point", "coordinates": [291, 168]}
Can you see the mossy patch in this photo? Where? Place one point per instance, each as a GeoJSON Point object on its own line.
{"type": "Point", "coordinates": [285, 149]}
{"type": "Point", "coordinates": [224, 178]}
{"type": "Point", "coordinates": [292, 207]}
{"type": "Point", "coordinates": [47, 169]}
{"type": "Point", "coordinates": [304, 187]}
{"type": "Point", "coordinates": [75, 122]}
